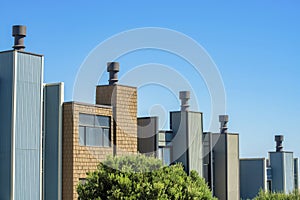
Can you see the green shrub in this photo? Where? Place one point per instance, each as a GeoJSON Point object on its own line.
{"type": "Point", "coordinates": [140, 177]}
{"type": "Point", "coordinates": [295, 195]}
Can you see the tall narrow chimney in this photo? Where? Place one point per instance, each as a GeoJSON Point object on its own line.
{"type": "Point", "coordinates": [279, 140]}
{"type": "Point", "coordinates": [113, 68]}
{"type": "Point", "coordinates": [19, 32]}
{"type": "Point", "coordinates": [223, 119]}
{"type": "Point", "coordinates": [184, 96]}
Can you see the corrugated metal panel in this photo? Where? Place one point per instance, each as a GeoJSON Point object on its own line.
{"type": "Point", "coordinates": [276, 162]}
{"type": "Point", "coordinates": [289, 171]}
{"type": "Point", "coordinates": [6, 79]}
{"type": "Point", "coordinates": [28, 126]}
{"type": "Point", "coordinates": [53, 99]}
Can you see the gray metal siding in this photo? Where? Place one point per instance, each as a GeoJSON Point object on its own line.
{"type": "Point", "coordinates": [233, 167]}
{"type": "Point", "coordinates": [220, 165]}
{"type": "Point", "coordinates": [252, 177]}
{"type": "Point", "coordinates": [179, 142]}
{"type": "Point", "coordinates": [195, 134]}
{"type": "Point", "coordinates": [6, 87]}
{"type": "Point", "coordinates": [276, 162]}
{"type": "Point", "coordinates": [53, 99]}
{"type": "Point", "coordinates": [288, 171]}
{"type": "Point", "coordinates": [28, 126]}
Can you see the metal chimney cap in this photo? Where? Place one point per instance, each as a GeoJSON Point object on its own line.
{"type": "Point", "coordinates": [19, 30]}
{"type": "Point", "coordinates": [184, 94]}
{"type": "Point", "coordinates": [279, 138]}
{"type": "Point", "coordinates": [113, 67]}
{"type": "Point", "coordinates": [223, 118]}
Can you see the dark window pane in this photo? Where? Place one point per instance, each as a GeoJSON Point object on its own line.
{"type": "Point", "coordinates": [85, 119]}
{"type": "Point", "coordinates": [106, 141]}
{"type": "Point", "coordinates": [93, 136]}
{"type": "Point", "coordinates": [102, 121]}
{"type": "Point", "coordinates": [81, 135]}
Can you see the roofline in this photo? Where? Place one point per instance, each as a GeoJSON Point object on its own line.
{"type": "Point", "coordinates": [88, 104]}
{"type": "Point", "coordinates": [186, 111]}
{"type": "Point", "coordinates": [34, 54]}
{"type": "Point", "coordinates": [253, 158]}
{"type": "Point", "coordinates": [150, 117]}
{"type": "Point", "coordinates": [117, 85]}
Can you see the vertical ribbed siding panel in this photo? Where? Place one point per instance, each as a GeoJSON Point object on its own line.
{"type": "Point", "coordinates": [195, 134]}
{"type": "Point", "coordinates": [288, 171]}
{"type": "Point", "coordinates": [28, 126]}
{"type": "Point", "coordinates": [6, 88]}
{"type": "Point", "coordinates": [53, 99]}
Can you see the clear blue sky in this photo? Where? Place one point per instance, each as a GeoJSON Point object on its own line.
{"type": "Point", "coordinates": [255, 44]}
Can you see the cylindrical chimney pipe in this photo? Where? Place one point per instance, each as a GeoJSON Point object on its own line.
{"type": "Point", "coordinates": [279, 140]}
{"type": "Point", "coordinates": [19, 32]}
{"type": "Point", "coordinates": [184, 96]}
{"type": "Point", "coordinates": [223, 119]}
{"type": "Point", "coordinates": [113, 68]}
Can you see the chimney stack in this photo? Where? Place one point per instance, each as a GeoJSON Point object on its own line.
{"type": "Point", "coordinates": [279, 140]}
{"type": "Point", "coordinates": [113, 68]}
{"type": "Point", "coordinates": [184, 96]}
{"type": "Point", "coordinates": [223, 119]}
{"type": "Point", "coordinates": [19, 32]}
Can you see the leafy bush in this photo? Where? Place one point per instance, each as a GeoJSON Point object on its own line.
{"type": "Point", "coordinates": [295, 195]}
{"type": "Point", "coordinates": [140, 177]}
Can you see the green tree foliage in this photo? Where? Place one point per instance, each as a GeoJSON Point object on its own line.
{"type": "Point", "coordinates": [140, 177]}
{"type": "Point", "coordinates": [295, 195]}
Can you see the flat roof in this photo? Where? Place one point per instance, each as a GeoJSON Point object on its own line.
{"type": "Point", "coordinates": [25, 52]}
{"type": "Point", "coordinates": [88, 104]}
{"type": "Point", "coordinates": [117, 85]}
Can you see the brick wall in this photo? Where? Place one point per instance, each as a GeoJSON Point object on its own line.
{"type": "Point", "coordinates": [78, 160]}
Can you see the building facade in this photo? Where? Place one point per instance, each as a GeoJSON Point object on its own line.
{"type": "Point", "coordinates": [221, 162]}
{"type": "Point", "coordinates": [47, 145]}
{"type": "Point", "coordinates": [21, 89]}
{"type": "Point", "coordinates": [278, 173]}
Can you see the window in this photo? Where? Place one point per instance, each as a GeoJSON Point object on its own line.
{"type": "Point", "coordinates": [164, 153]}
{"type": "Point", "coordinates": [94, 130]}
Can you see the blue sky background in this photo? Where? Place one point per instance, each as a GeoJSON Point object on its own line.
{"type": "Point", "coordinates": [255, 45]}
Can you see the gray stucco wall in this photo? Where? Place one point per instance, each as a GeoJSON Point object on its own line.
{"type": "Point", "coordinates": [252, 177]}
